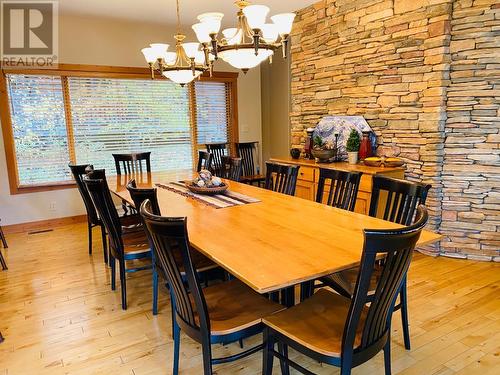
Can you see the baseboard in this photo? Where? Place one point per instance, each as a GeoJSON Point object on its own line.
{"type": "Point", "coordinates": [44, 224]}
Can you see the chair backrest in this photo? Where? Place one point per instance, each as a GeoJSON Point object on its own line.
{"type": "Point", "coordinates": [132, 163]}
{"type": "Point", "coordinates": [218, 150]}
{"type": "Point", "coordinates": [139, 195]}
{"type": "Point", "coordinates": [373, 322]}
{"type": "Point", "coordinates": [79, 171]}
{"type": "Point", "coordinates": [169, 235]}
{"type": "Point", "coordinates": [281, 178]}
{"type": "Point", "coordinates": [231, 168]}
{"type": "Point", "coordinates": [403, 197]}
{"type": "Point", "coordinates": [343, 188]}
{"type": "Point", "coordinates": [96, 184]}
{"type": "Point", "coordinates": [245, 151]}
{"type": "Point", "coordinates": [204, 161]}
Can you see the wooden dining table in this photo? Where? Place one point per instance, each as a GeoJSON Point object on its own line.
{"type": "Point", "coordinates": [278, 242]}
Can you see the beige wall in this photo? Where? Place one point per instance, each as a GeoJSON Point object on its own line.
{"type": "Point", "coordinates": [112, 42]}
{"type": "Point", "coordinates": [275, 92]}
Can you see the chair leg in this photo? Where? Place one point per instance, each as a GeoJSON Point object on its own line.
{"type": "Point", "coordinates": [89, 227]}
{"type": "Point", "coordinates": [2, 236]}
{"type": "Point", "coordinates": [2, 262]}
{"type": "Point", "coordinates": [241, 343]}
{"type": "Point", "coordinates": [207, 358]}
{"type": "Point", "coordinates": [387, 357]}
{"type": "Point", "coordinates": [112, 263]}
{"type": "Point", "coordinates": [155, 291]}
{"type": "Point", "coordinates": [177, 343]}
{"type": "Point", "coordinates": [283, 349]}
{"type": "Point", "coordinates": [123, 283]}
{"type": "Point", "coordinates": [267, 354]}
{"type": "Point", "coordinates": [403, 296]}
{"type": "Point", "coordinates": [104, 244]}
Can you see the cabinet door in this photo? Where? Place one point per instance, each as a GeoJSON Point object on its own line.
{"type": "Point", "coordinates": [305, 189]}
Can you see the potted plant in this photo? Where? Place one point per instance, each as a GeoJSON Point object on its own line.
{"type": "Point", "coordinates": [352, 146]}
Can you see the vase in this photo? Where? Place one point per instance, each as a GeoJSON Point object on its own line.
{"type": "Point", "coordinates": [295, 153]}
{"type": "Point", "coordinates": [365, 149]}
{"type": "Point", "coordinates": [352, 157]}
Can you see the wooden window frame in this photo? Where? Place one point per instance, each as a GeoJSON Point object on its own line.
{"type": "Point", "coordinates": [94, 71]}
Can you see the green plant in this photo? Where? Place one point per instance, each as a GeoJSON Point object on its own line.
{"type": "Point", "coordinates": [353, 141]}
{"type": "Point", "coordinates": [318, 141]}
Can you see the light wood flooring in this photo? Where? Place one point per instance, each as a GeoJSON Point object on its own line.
{"type": "Point", "coordinates": [59, 316]}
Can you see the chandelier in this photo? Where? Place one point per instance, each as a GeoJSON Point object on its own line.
{"type": "Point", "coordinates": [181, 66]}
{"type": "Point", "coordinates": [248, 44]}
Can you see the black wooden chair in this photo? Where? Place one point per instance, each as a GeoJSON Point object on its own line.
{"type": "Point", "coordinates": [221, 313]}
{"type": "Point", "coordinates": [250, 174]}
{"type": "Point", "coordinates": [204, 161]}
{"type": "Point", "coordinates": [201, 262]}
{"type": "Point", "coordinates": [123, 246]}
{"type": "Point", "coordinates": [230, 168]}
{"type": "Point", "coordinates": [79, 171]}
{"type": "Point", "coordinates": [346, 332]}
{"type": "Point", "coordinates": [281, 178]}
{"type": "Point", "coordinates": [401, 199]}
{"type": "Point", "coordinates": [342, 188]}
{"type": "Point", "coordinates": [342, 191]}
{"type": "Point", "coordinates": [2, 260]}
{"type": "Point", "coordinates": [218, 150]}
{"type": "Point", "coordinates": [138, 162]}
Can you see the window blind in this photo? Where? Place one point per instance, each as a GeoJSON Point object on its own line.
{"type": "Point", "coordinates": [128, 115]}
{"type": "Point", "coordinates": [39, 128]}
{"type": "Point", "coordinates": [212, 112]}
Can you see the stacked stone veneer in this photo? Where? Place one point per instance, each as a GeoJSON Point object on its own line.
{"type": "Point", "coordinates": [425, 75]}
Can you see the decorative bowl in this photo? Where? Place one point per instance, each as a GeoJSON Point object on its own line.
{"type": "Point", "coordinates": [323, 155]}
{"type": "Point", "coordinates": [207, 190]}
{"type": "Point", "coordinates": [295, 153]}
{"type": "Point", "coordinates": [373, 161]}
{"type": "Point", "coordinates": [393, 162]}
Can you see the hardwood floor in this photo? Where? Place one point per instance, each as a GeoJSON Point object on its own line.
{"type": "Point", "coordinates": [59, 316]}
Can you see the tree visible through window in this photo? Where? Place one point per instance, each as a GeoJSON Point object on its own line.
{"type": "Point", "coordinates": [57, 119]}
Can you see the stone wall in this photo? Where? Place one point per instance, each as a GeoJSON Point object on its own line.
{"type": "Point", "coordinates": [390, 61]}
{"type": "Point", "coordinates": [471, 172]}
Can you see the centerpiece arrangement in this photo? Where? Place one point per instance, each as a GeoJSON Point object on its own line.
{"type": "Point", "coordinates": [206, 183]}
{"type": "Point", "coordinates": [322, 150]}
{"type": "Point", "coordinates": [352, 146]}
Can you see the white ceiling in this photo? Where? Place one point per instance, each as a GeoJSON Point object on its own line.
{"type": "Point", "coordinates": [163, 11]}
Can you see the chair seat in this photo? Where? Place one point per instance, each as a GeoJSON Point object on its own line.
{"type": "Point", "coordinates": [253, 178]}
{"type": "Point", "coordinates": [135, 242]}
{"type": "Point", "coordinates": [232, 307]}
{"type": "Point", "coordinates": [347, 279]}
{"type": "Point", "coordinates": [317, 323]}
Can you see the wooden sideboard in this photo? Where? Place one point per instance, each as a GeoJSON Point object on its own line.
{"type": "Point", "coordinates": [307, 182]}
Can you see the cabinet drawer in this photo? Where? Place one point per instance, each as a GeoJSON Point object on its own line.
{"type": "Point", "coordinates": [306, 174]}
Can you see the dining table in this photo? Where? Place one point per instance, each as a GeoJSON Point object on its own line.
{"type": "Point", "coordinates": [274, 243]}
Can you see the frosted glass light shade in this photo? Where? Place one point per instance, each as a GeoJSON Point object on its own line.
{"type": "Point", "coordinates": [191, 49]}
{"type": "Point", "coordinates": [160, 49]}
{"type": "Point", "coordinates": [170, 58]}
{"type": "Point", "coordinates": [245, 58]}
{"type": "Point", "coordinates": [149, 54]}
{"type": "Point", "coordinates": [256, 15]}
{"type": "Point", "coordinates": [269, 32]}
{"type": "Point", "coordinates": [199, 58]}
{"type": "Point", "coordinates": [212, 21]}
{"type": "Point", "coordinates": [202, 33]}
{"type": "Point", "coordinates": [232, 35]}
{"type": "Point", "coordinates": [181, 76]}
{"type": "Point", "coordinates": [284, 22]}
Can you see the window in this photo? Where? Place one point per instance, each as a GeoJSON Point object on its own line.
{"type": "Point", "coordinates": [84, 117]}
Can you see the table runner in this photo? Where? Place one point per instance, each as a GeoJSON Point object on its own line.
{"type": "Point", "coordinates": [227, 199]}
